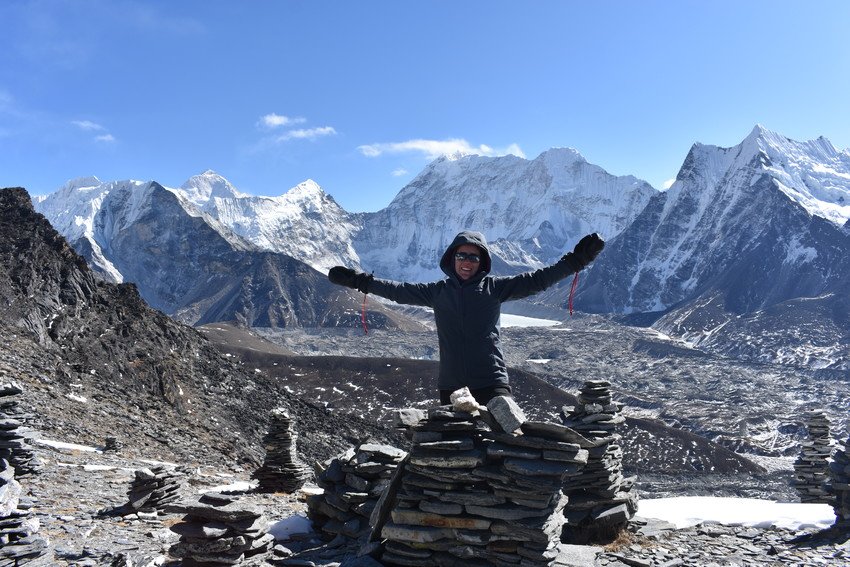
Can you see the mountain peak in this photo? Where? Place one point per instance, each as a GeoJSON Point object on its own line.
{"type": "Point", "coordinates": [81, 182]}
{"type": "Point", "coordinates": [201, 188]}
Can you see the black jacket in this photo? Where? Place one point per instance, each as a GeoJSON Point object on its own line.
{"type": "Point", "coordinates": [467, 312]}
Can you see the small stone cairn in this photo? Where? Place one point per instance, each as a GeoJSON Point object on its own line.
{"type": "Point", "coordinates": [153, 489]}
{"type": "Point", "coordinates": [19, 539]}
{"type": "Point", "coordinates": [840, 474]}
{"type": "Point", "coordinates": [482, 488]}
{"type": "Point", "coordinates": [14, 436]}
{"type": "Point", "coordinates": [216, 530]}
{"type": "Point", "coordinates": [352, 482]}
{"type": "Point", "coordinates": [811, 469]}
{"type": "Point", "coordinates": [112, 445]}
{"type": "Point", "coordinates": [601, 500]}
{"type": "Point", "coordinates": [282, 470]}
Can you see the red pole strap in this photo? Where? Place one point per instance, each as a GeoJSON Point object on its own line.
{"type": "Point", "coordinates": [572, 293]}
{"type": "Point", "coordinates": [363, 316]}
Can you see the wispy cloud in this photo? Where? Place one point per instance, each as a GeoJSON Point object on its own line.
{"type": "Point", "coordinates": [399, 172]}
{"type": "Point", "coordinates": [433, 149]}
{"type": "Point", "coordinates": [87, 125]}
{"type": "Point", "coordinates": [669, 183]}
{"type": "Point", "coordinates": [103, 135]}
{"type": "Point", "coordinates": [307, 134]}
{"type": "Point", "coordinates": [271, 121]}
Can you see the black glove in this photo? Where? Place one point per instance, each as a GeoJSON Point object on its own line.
{"type": "Point", "coordinates": [588, 248]}
{"type": "Point", "coordinates": [341, 275]}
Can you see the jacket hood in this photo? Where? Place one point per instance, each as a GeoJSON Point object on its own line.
{"type": "Point", "coordinates": [466, 237]}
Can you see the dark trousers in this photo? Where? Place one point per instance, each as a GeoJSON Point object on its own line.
{"type": "Point", "coordinates": [481, 395]}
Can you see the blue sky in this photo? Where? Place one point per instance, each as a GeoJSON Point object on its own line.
{"type": "Point", "coordinates": [360, 96]}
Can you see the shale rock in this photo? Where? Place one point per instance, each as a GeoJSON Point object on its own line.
{"type": "Point", "coordinates": [282, 470]}
{"type": "Point", "coordinates": [811, 469]}
{"type": "Point", "coordinates": [601, 500]}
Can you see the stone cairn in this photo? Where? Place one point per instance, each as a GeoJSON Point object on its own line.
{"type": "Point", "coordinates": [811, 469]}
{"type": "Point", "coordinates": [601, 501]}
{"type": "Point", "coordinates": [14, 436]}
{"type": "Point", "coordinates": [216, 530]}
{"type": "Point", "coordinates": [282, 470]}
{"type": "Point", "coordinates": [474, 492]}
{"type": "Point", "coordinates": [19, 540]}
{"type": "Point", "coordinates": [352, 482]}
{"type": "Point", "coordinates": [840, 474]}
{"type": "Point", "coordinates": [152, 490]}
{"type": "Point", "coordinates": [112, 445]}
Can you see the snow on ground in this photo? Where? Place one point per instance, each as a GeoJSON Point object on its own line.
{"type": "Point", "coordinates": [509, 320]}
{"type": "Point", "coordinates": [685, 511]}
{"type": "Point", "coordinates": [69, 446]}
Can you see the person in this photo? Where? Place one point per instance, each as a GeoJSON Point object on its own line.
{"type": "Point", "coordinates": [467, 308]}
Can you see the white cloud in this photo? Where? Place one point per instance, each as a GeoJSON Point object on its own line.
{"type": "Point", "coordinates": [433, 149]}
{"type": "Point", "coordinates": [306, 134]}
{"type": "Point", "coordinates": [399, 172]}
{"type": "Point", "coordinates": [87, 125]}
{"type": "Point", "coordinates": [669, 183]}
{"type": "Point", "coordinates": [106, 138]}
{"type": "Point", "coordinates": [273, 120]}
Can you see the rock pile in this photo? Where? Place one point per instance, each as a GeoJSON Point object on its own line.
{"type": "Point", "coordinates": [217, 530]}
{"type": "Point", "coordinates": [112, 445]}
{"type": "Point", "coordinates": [601, 500]}
{"type": "Point", "coordinates": [473, 495]}
{"type": "Point", "coordinates": [840, 474]}
{"type": "Point", "coordinates": [14, 436]}
{"type": "Point", "coordinates": [353, 482]}
{"type": "Point", "coordinates": [282, 470]}
{"type": "Point", "coordinates": [19, 539]}
{"type": "Point", "coordinates": [811, 469]}
{"type": "Point", "coordinates": [153, 489]}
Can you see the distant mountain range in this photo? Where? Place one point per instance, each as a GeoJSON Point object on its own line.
{"type": "Point", "coordinates": [746, 254]}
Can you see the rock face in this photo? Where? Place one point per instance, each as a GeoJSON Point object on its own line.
{"type": "Point", "coordinates": [473, 493]}
{"type": "Point", "coordinates": [353, 483]}
{"type": "Point", "coordinates": [217, 530]}
{"type": "Point", "coordinates": [811, 469]}
{"type": "Point", "coordinates": [601, 500]}
{"type": "Point", "coordinates": [840, 475]}
{"type": "Point", "coordinates": [282, 470]}
{"type": "Point", "coordinates": [19, 539]}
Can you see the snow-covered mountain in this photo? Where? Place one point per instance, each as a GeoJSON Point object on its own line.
{"type": "Point", "coordinates": [532, 211]}
{"type": "Point", "coordinates": [742, 230]}
{"type": "Point", "coordinates": [304, 222]}
{"type": "Point", "coordinates": [191, 266]}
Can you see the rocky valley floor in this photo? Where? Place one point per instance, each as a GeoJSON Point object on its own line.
{"type": "Point", "coordinates": [79, 495]}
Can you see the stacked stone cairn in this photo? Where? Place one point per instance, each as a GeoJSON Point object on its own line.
{"type": "Point", "coordinates": [353, 483]}
{"type": "Point", "coordinates": [282, 470]}
{"type": "Point", "coordinates": [811, 469]}
{"type": "Point", "coordinates": [482, 488]}
{"type": "Point", "coordinates": [14, 436]}
{"type": "Point", "coordinates": [152, 490]}
{"type": "Point", "coordinates": [112, 445]}
{"type": "Point", "coordinates": [601, 500]}
{"type": "Point", "coordinates": [19, 539]}
{"type": "Point", "coordinates": [840, 474]}
{"type": "Point", "coordinates": [216, 530]}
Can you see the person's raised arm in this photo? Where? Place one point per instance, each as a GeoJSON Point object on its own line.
{"type": "Point", "coordinates": [400, 292]}
{"type": "Point", "coordinates": [529, 283]}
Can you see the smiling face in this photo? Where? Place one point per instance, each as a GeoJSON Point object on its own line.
{"type": "Point", "coordinates": [465, 269]}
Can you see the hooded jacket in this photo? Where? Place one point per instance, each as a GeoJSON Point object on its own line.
{"type": "Point", "coordinates": [467, 312]}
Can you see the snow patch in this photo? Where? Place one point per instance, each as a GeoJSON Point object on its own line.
{"type": "Point", "coordinates": [685, 511]}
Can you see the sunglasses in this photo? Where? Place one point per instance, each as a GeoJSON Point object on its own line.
{"type": "Point", "coordinates": [463, 256]}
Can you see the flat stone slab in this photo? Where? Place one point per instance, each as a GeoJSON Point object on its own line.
{"type": "Point", "coordinates": [419, 518]}
{"type": "Point", "coordinates": [506, 412]}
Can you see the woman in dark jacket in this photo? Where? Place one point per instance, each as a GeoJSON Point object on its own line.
{"type": "Point", "coordinates": [467, 307]}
